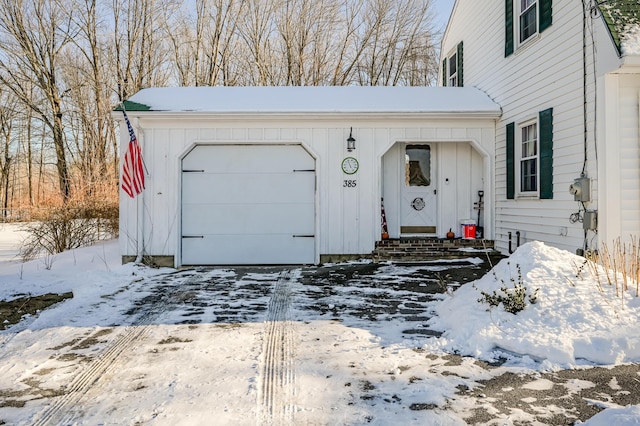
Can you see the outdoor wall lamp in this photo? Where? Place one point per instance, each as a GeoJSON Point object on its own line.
{"type": "Point", "coordinates": [351, 142]}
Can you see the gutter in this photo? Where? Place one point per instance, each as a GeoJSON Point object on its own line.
{"type": "Point", "coordinates": [629, 64]}
{"type": "Point", "coordinates": [313, 115]}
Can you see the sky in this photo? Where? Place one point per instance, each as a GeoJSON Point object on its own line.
{"type": "Point", "coordinates": [443, 11]}
{"type": "Point", "coordinates": [109, 356]}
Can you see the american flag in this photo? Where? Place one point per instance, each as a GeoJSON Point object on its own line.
{"type": "Point", "coordinates": [132, 167]}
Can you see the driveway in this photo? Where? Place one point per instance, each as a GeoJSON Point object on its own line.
{"type": "Point", "coordinates": [337, 344]}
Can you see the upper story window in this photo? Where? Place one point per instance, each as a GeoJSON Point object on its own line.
{"type": "Point", "coordinates": [524, 19]}
{"type": "Point", "coordinates": [528, 22]}
{"type": "Point", "coordinates": [452, 78]}
{"type": "Point", "coordinates": [452, 68]}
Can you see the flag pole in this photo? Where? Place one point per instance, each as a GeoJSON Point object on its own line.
{"type": "Point", "coordinates": [140, 213]}
{"type": "Point", "coordinates": [139, 204]}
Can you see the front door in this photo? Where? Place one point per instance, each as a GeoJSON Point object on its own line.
{"type": "Point", "coordinates": [418, 205]}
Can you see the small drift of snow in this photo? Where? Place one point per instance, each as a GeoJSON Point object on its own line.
{"type": "Point", "coordinates": [623, 416]}
{"type": "Point", "coordinates": [11, 236]}
{"type": "Point", "coordinates": [579, 319]}
{"type": "Point", "coordinates": [630, 40]}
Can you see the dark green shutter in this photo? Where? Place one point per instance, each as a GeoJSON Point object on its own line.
{"type": "Point", "coordinates": [444, 72]}
{"type": "Point", "coordinates": [460, 81]}
{"type": "Point", "coordinates": [511, 188]}
{"type": "Point", "coordinates": [546, 154]}
{"type": "Point", "coordinates": [508, 28]}
{"type": "Point", "coordinates": [546, 17]}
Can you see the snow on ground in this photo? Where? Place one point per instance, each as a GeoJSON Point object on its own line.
{"type": "Point", "coordinates": [189, 364]}
{"type": "Point", "coordinates": [578, 318]}
{"type": "Point", "coordinates": [11, 236]}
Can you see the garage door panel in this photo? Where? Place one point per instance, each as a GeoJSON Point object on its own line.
{"type": "Point", "coordinates": [243, 188]}
{"type": "Point", "coordinates": [247, 250]}
{"type": "Point", "coordinates": [248, 158]}
{"type": "Point", "coordinates": [244, 204]}
{"type": "Point", "coordinates": [249, 219]}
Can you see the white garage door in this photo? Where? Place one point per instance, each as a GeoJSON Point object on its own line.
{"type": "Point", "coordinates": [248, 204]}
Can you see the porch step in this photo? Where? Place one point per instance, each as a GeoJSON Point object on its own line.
{"type": "Point", "coordinates": [423, 249]}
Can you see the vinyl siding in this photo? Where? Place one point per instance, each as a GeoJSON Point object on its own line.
{"type": "Point", "coordinates": [544, 73]}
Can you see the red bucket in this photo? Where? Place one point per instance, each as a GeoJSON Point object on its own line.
{"type": "Point", "coordinates": [468, 229]}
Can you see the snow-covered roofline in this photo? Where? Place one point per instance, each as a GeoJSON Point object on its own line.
{"type": "Point", "coordinates": [314, 100]}
{"type": "Point", "coordinates": [622, 18]}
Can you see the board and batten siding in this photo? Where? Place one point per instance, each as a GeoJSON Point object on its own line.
{"type": "Point", "coordinates": [546, 72]}
{"type": "Point", "coordinates": [348, 219]}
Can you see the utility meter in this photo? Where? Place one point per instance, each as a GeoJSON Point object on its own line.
{"type": "Point", "coordinates": [581, 189]}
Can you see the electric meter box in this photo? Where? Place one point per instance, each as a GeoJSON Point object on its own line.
{"type": "Point", "coordinates": [581, 189]}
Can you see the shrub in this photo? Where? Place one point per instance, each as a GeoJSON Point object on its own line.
{"type": "Point", "coordinates": [514, 299]}
{"type": "Point", "coordinates": [69, 226]}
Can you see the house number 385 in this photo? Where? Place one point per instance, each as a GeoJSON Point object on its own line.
{"type": "Point", "coordinates": [349, 183]}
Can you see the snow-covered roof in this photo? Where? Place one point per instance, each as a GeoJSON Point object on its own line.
{"type": "Point", "coordinates": [313, 99]}
{"type": "Point", "coordinates": [623, 20]}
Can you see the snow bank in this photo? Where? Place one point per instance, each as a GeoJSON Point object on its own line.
{"type": "Point", "coordinates": [574, 322]}
{"type": "Point", "coordinates": [626, 416]}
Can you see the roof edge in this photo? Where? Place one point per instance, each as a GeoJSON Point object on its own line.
{"type": "Point", "coordinates": [316, 115]}
{"type": "Point", "coordinates": [132, 106]}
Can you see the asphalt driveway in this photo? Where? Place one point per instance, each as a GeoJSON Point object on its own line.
{"type": "Point", "coordinates": [336, 344]}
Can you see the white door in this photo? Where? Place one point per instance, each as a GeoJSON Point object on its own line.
{"type": "Point", "coordinates": [248, 204]}
{"type": "Point", "coordinates": [418, 196]}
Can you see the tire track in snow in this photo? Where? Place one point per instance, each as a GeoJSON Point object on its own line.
{"type": "Point", "coordinates": [61, 411]}
{"type": "Point", "coordinates": [7, 335]}
{"type": "Point", "coordinates": [277, 389]}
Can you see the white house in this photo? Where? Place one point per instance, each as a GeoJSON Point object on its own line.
{"type": "Point", "coordinates": [566, 74]}
{"type": "Point", "coordinates": [266, 175]}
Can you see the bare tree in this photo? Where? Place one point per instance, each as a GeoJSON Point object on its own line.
{"type": "Point", "coordinates": [139, 53]}
{"type": "Point", "coordinates": [6, 127]}
{"type": "Point", "coordinates": [90, 97]}
{"type": "Point", "coordinates": [257, 31]}
{"type": "Point", "coordinates": [34, 34]}
{"type": "Point", "coordinates": [67, 63]}
{"type": "Point", "coordinates": [396, 30]}
{"type": "Point", "coordinates": [201, 40]}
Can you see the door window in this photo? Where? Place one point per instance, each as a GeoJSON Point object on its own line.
{"type": "Point", "coordinates": [418, 165]}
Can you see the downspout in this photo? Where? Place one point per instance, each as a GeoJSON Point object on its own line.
{"type": "Point", "coordinates": [584, 87]}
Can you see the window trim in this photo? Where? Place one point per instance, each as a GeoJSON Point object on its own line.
{"type": "Point", "coordinates": [452, 79]}
{"type": "Point", "coordinates": [512, 28]}
{"type": "Point", "coordinates": [519, 158]}
{"type": "Point", "coordinates": [454, 56]}
{"type": "Point", "coordinates": [521, 14]}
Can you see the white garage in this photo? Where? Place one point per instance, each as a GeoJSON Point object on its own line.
{"type": "Point", "coordinates": [248, 203]}
{"type": "Point", "coordinates": [298, 175]}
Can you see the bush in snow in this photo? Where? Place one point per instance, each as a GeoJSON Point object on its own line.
{"type": "Point", "coordinates": [69, 226]}
{"type": "Point", "coordinates": [513, 300]}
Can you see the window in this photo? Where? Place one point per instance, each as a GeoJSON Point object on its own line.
{"type": "Point", "coordinates": [452, 68]}
{"type": "Point", "coordinates": [529, 158]}
{"type": "Point", "coordinates": [452, 79]}
{"type": "Point", "coordinates": [418, 165]}
{"type": "Point", "coordinates": [528, 19]}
